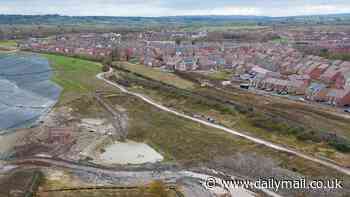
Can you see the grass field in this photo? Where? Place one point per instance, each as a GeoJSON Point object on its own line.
{"type": "Point", "coordinates": [159, 75]}
{"type": "Point", "coordinates": [177, 138]}
{"type": "Point", "coordinates": [271, 131]}
{"type": "Point", "coordinates": [222, 75]}
{"type": "Point", "coordinates": [8, 43]}
{"type": "Point", "coordinates": [243, 123]}
{"type": "Point", "coordinates": [75, 76]}
{"type": "Point", "coordinates": [280, 41]}
{"type": "Point", "coordinates": [190, 143]}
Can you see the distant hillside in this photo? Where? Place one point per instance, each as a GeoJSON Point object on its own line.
{"type": "Point", "coordinates": [337, 19]}
{"type": "Point", "coordinates": [173, 20]}
{"type": "Point", "coordinates": [69, 20]}
{"type": "Point", "coordinates": [24, 26]}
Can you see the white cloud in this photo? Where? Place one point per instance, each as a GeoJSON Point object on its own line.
{"type": "Point", "coordinates": [326, 9]}
{"type": "Point", "coordinates": [228, 10]}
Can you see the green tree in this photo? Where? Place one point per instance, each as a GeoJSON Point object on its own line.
{"type": "Point", "coordinates": [178, 41]}
{"type": "Point", "coordinates": [106, 62]}
{"type": "Point", "coordinates": [158, 189]}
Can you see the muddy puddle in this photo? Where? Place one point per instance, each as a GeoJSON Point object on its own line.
{"type": "Point", "coordinates": [130, 152]}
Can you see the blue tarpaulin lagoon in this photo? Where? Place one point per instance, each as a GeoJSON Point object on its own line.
{"type": "Point", "coordinates": [26, 91]}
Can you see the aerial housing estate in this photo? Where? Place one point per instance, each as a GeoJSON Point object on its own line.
{"type": "Point", "coordinates": [267, 66]}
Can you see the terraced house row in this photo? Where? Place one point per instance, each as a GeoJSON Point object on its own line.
{"type": "Point", "coordinates": [334, 41]}
{"type": "Point", "coordinates": [272, 67]}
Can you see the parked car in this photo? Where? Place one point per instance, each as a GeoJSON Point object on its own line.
{"type": "Point", "coordinates": [244, 85]}
{"type": "Point", "coordinates": [347, 110]}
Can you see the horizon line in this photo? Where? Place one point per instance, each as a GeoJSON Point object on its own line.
{"type": "Point", "coordinates": [189, 15]}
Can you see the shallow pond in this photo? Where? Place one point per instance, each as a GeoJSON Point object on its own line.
{"type": "Point", "coordinates": [130, 152]}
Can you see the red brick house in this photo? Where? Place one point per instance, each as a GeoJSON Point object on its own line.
{"type": "Point", "coordinates": [297, 87]}
{"type": "Point", "coordinates": [274, 84]}
{"type": "Point", "coordinates": [330, 75]}
{"type": "Point", "coordinates": [317, 72]}
{"type": "Point", "coordinates": [304, 67]}
{"type": "Point", "coordinates": [342, 76]}
{"type": "Point", "coordinates": [343, 80]}
{"type": "Point", "coordinates": [312, 67]}
{"type": "Point", "coordinates": [339, 97]}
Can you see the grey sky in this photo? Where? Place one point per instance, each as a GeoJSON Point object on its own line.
{"type": "Point", "coordinates": [174, 7]}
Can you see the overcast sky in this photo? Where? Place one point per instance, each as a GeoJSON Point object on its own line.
{"type": "Point", "coordinates": [174, 7]}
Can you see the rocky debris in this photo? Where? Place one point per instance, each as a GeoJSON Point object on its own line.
{"type": "Point", "coordinates": [96, 125]}
{"type": "Point", "coordinates": [119, 117]}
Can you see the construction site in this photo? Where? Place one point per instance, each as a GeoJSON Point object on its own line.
{"type": "Point", "coordinates": [65, 156]}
